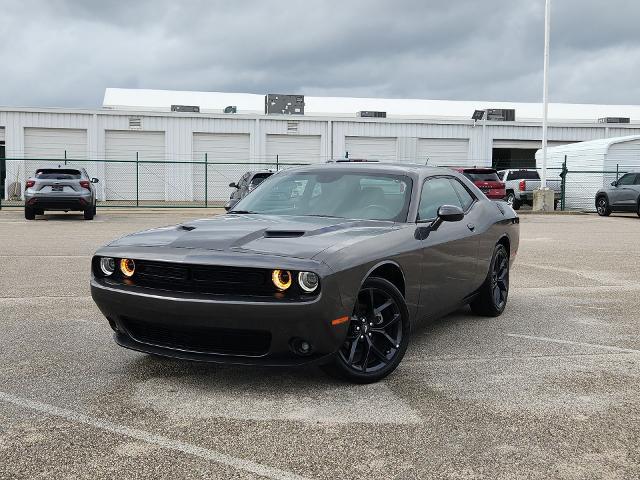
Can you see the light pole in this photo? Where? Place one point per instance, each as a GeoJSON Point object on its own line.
{"type": "Point", "coordinates": [543, 197]}
{"type": "Point", "coordinates": [545, 93]}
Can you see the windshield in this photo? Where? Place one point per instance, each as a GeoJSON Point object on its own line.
{"type": "Point", "coordinates": [58, 174]}
{"type": "Point", "coordinates": [524, 175]}
{"type": "Point", "coordinates": [356, 195]}
{"type": "Point", "coordinates": [482, 175]}
{"type": "Point", "coordinates": [258, 178]}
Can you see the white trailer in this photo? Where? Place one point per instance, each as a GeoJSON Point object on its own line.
{"type": "Point", "coordinates": [591, 165]}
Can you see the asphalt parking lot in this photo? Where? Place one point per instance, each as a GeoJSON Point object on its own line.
{"type": "Point", "coordinates": [548, 390]}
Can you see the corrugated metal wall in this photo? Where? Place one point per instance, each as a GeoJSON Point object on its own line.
{"type": "Point", "coordinates": [329, 134]}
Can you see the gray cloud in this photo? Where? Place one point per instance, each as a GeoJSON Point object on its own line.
{"type": "Point", "coordinates": [64, 53]}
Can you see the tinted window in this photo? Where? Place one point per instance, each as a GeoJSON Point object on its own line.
{"type": "Point", "coordinates": [465, 197]}
{"type": "Point", "coordinates": [332, 193]}
{"type": "Point", "coordinates": [258, 178]}
{"type": "Point", "coordinates": [627, 179]}
{"type": "Point", "coordinates": [524, 175]}
{"type": "Point", "coordinates": [435, 193]}
{"type": "Point", "coordinates": [481, 175]}
{"type": "Point", "coordinates": [58, 174]}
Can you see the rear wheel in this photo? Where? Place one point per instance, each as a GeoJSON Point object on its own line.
{"type": "Point", "coordinates": [89, 213]}
{"type": "Point", "coordinates": [638, 209]}
{"type": "Point", "coordinates": [378, 334]}
{"type": "Point", "coordinates": [513, 201]}
{"type": "Point", "coordinates": [29, 213]}
{"type": "Point", "coordinates": [602, 206]}
{"type": "Point", "coordinates": [492, 298]}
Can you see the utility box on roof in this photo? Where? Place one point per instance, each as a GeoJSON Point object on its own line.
{"type": "Point", "coordinates": [284, 104]}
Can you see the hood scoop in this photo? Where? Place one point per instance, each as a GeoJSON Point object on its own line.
{"type": "Point", "coordinates": [283, 233]}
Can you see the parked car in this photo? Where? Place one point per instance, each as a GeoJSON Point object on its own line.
{"type": "Point", "coordinates": [245, 185]}
{"type": "Point", "coordinates": [622, 196]}
{"type": "Point", "coordinates": [486, 179]}
{"type": "Point", "coordinates": [62, 189]}
{"type": "Point", "coordinates": [335, 274]}
{"type": "Point", "coordinates": [520, 185]}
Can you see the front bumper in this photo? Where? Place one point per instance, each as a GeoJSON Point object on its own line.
{"type": "Point", "coordinates": [222, 329]}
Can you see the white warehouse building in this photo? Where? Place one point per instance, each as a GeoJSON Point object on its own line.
{"type": "Point", "coordinates": [171, 147]}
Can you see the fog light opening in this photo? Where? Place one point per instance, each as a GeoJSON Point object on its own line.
{"type": "Point", "coordinates": [301, 346]}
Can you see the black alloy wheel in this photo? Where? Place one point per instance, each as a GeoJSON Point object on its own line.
{"type": "Point", "coordinates": [378, 334]}
{"type": "Point", "coordinates": [492, 297]}
{"type": "Point", "coordinates": [602, 207]}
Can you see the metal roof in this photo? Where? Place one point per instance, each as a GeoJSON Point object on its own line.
{"type": "Point", "coordinates": [601, 144]}
{"type": "Point", "coordinates": [215, 102]}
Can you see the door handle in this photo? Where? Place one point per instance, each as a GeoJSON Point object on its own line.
{"type": "Point", "coordinates": [471, 226]}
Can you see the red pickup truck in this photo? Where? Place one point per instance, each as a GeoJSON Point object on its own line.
{"type": "Point", "coordinates": [486, 179]}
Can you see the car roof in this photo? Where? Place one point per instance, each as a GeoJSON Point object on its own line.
{"type": "Point", "coordinates": [378, 167]}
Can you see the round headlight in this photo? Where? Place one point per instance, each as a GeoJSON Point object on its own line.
{"type": "Point", "coordinates": [308, 281]}
{"type": "Point", "coordinates": [107, 266]}
{"type": "Point", "coordinates": [127, 267]}
{"type": "Point", "coordinates": [281, 279]}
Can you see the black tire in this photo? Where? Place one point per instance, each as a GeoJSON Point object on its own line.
{"type": "Point", "coordinates": [378, 334]}
{"type": "Point", "coordinates": [602, 206]}
{"type": "Point", "coordinates": [492, 297]}
{"type": "Point", "coordinates": [638, 209]}
{"type": "Point", "coordinates": [29, 213]}
{"type": "Point", "coordinates": [89, 213]}
{"type": "Point", "coordinates": [513, 201]}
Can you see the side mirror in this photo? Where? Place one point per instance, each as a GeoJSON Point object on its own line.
{"type": "Point", "coordinates": [446, 213]}
{"type": "Point", "coordinates": [450, 213]}
{"type": "Point", "coordinates": [94, 180]}
{"type": "Point", "coordinates": [614, 183]}
{"type": "Point", "coordinates": [233, 185]}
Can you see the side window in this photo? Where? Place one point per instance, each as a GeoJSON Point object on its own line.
{"type": "Point", "coordinates": [465, 197]}
{"type": "Point", "coordinates": [627, 179]}
{"type": "Point", "coordinates": [435, 193]}
{"type": "Point", "coordinates": [637, 182]}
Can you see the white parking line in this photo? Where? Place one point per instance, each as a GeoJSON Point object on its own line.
{"type": "Point", "coordinates": [152, 438]}
{"type": "Point", "coordinates": [569, 342]}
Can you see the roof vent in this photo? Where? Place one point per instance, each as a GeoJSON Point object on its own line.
{"type": "Point", "coordinates": [292, 127]}
{"type": "Point", "coordinates": [372, 114]}
{"type": "Point", "coordinates": [135, 123]}
{"type": "Point", "coordinates": [614, 120]}
{"type": "Point", "coordinates": [185, 108]}
{"type": "Point", "coordinates": [501, 114]}
{"type": "Point", "coordinates": [285, 104]}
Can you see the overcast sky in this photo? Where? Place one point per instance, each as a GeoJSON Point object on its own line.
{"type": "Point", "coordinates": [65, 53]}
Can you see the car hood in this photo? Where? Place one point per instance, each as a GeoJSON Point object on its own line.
{"type": "Point", "coordinates": [290, 236]}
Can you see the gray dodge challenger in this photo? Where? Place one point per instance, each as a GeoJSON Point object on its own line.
{"type": "Point", "coordinates": [330, 264]}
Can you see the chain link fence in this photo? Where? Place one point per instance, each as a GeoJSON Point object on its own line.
{"type": "Point", "coordinates": [200, 183]}
{"type": "Point", "coordinates": [144, 183]}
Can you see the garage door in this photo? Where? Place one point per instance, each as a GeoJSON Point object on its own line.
{"type": "Point", "coordinates": [54, 143]}
{"type": "Point", "coordinates": [228, 159]}
{"type": "Point", "coordinates": [443, 151]}
{"type": "Point", "coordinates": [293, 148]}
{"type": "Point", "coordinates": [120, 177]}
{"type": "Point", "coordinates": [372, 148]}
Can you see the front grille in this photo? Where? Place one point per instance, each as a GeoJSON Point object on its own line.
{"type": "Point", "coordinates": [204, 279]}
{"type": "Point", "coordinates": [200, 339]}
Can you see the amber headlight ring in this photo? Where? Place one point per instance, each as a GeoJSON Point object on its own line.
{"type": "Point", "coordinates": [127, 267]}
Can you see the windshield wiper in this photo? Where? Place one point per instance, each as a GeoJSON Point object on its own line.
{"type": "Point", "coordinates": [242, 211]}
